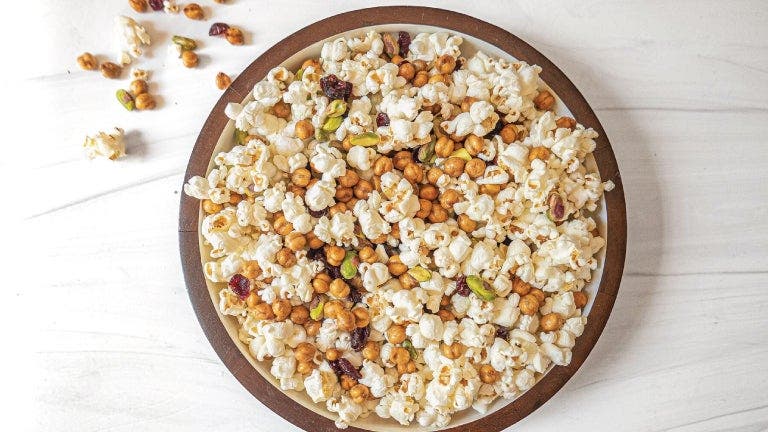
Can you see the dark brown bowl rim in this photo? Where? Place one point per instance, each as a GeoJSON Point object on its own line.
{"type": "Point", "coordinates": [206, 311]}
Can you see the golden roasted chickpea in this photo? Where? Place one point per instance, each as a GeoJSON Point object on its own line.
{"type": "Point", "coordinates": [396, 334]}
{"type": "Point", "coordinates": [87, 61]}
{"type": "Point", "coordinates": [313, 242]}
{"type": "Point", "coordinates": [454, 166]}
{"type": "Point", "coordinates": [211, 207]}
{"type": "Point", "coordinates": [397, 59]}
{"type": "Point", "coordinates": [281, 225]}
{"type": "Point", "coordinates": [508, 133]}
{"type": "Point", "coordinates": [539, 152]}
{"type": "Point", "coordinates": [145, 101]}
{"type": "Point", "coordinates": [413, 173]}
{"type": "Point", "coordinates": [544, 100]}
{"type": "Point", "coordinates": [299, 315]}
{"type": "Point", "coordinates": [407, 281]}
{"type": "Point", "coordinates": [312, 327]}
{"type": "Point", "coordinates": [580, 299]}
{"type": "Point", "coordinates": [449, 198]}
{"type": "Point", "coordinates": [301, 177]}
{"type": "Point", "coordinates": [371, 351]}
{"type": "Point", "coordinates": [304, 352]}
{"type": "Point", "coordinates": [445, 301]}
{"type": "Point", "coordinates": [395, 266]}
{"type": "Point", "coordinates": [332, 309]}
{"type": "Point", "coordinates": [488, 374]}
{"type": "Point", "coordinates": [539, 294]}
{"type": "Point", "coordinates": [382, 165]}
{"type": "Point", "coordinates": [421, 78]}
{"type": "Point", "coordinates": [475, 168]}
{"type": "Point", "coordinates": [332, 354]}
{"type": "Point", "coordinates": [345, 320]}
{"type": "Point", "coordinates": [349, 179]}
{"type": "Point", "coordinates": [339, 288]}
{"type": "Point", "coordinates": [235, 198]}
{"type": "Point", "coordinates": [410, 367]}
{"type": "Point", "coordinates": [399, 355]}
{"type": "Point", "coordinates": [566, 122]}
{"type": "Point", "coordinates": [363, 188]}
{"type": "Point", "coordinates": [223, 81]}
{"type": "Point", "coordinates": [445, 64]}
{"type": "Point", "coordinates": [347, 382]}
{"type": "Point", "coordinates": [305, 368]}
{"type": "Point", "coordinates": [362, 317]}
{"type": "Point", "coordinates": [343, 194]}
{"type": "Point", "coordinates": [193, 11]}
{"type": "Point", "coordinates": [285, 257]}
{"type": "Point", "coordinates": [321, 284]}
{"type": "Point", "coordinates": [367, 254]}
{"type": "Point", "coordinates": [528, 305]}
{"type": "Point", "coordinates": [420, 65]}
{"type": "Point", "coordinates": [444, 146]}
{"type": "Point", "coordinates": [551, 322]}
{"type": "Point", "coordinates": [438, 214]}
{"type": "Point", "coordinates": [111, 70]}
{"type": "Point", "coordinates": [452, 351]}
{"type": "Point", "coordinates": [446, 315]}
{"type": "Point", "coordinates": [304, 129]}
{"type": "Point", "coordinates": [189, 58]}
{"type": "Point", "coordinates": [434, 174]}
{"type": "Point", "coordinates": [235, 36]}
{"type": "Point", "coordinates": [253, 299]}
{"type": "Point", "coordinates": [466, 223]}
{"type": "Point", "coordinates": [406, 70]}
{"type": "Point", "coordinates": [521, 287]}
{"type": "Point", "coordinates": [334, 255]}
{"type": "Point", "coordinates": [295, 241]}
{"type": "Point", "coordinates": [466, 104]}
{"type": "Point", "coordinates": [281, 109]}
{"type": "Point", "coordinates": [263, 311]}
{"type": "Point", "coordinates": [337, 208]}
{"type": "Point", "coordinates": [314, 63]}
{"type": "Point", "coordinates": [402, 159]}
{"type": "Point", "coordinates": [394, 230]}
{"type": "Point", "coordinates": [428, 192]}
{"type": "Point", "coordinates": [282, 309]}
{"type": "Point", "coordinates": [138, 87]}
{"type": "Point", "coordinates": [251, 269]}
{"type": "Point", "coordinates": [474, 144]}
{"type": "Point", "coordinates": [490, 189]}
{"type": "Point", "coordinates": [425, 208]}
{"type": "Point", "coordinates": [359, 393]}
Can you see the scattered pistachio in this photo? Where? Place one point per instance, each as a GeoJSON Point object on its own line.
{"type": "Point", "coordinates": [332, 123]}
{"type": "Point", "coordinates": [420, 274]}
{"type": "Point", "coordinates": [462, 153]}
{"type": "Point", "coordinates": [299, 74]}
{"type": "Point", "coordinates": [125, 99]}
{"type": "Point", "coordinates": [556, 210]}
{"type": "Point", "coordinates": [321, 135]}
{"type": "Point", "coordinates": [185, 43]}
{"type": "Point", "coordinates": [240, 136]}
{"type": "Point", "coordinates": [349, 265]}
{"type": "Point", "coordinates": [390, 45]}
{"type": "Point", "coordinates": [427, 152]}
{"type": "Point", "coordinates": [366, 139]}
{"type": "Point", "coordinates": [408, 345]}
{"type": "Point", "coordinates": [480, 288]}
{"type": "Point", "coordinates": [317, 312]}
{"type": "Point", "coordinates": [336, 108]}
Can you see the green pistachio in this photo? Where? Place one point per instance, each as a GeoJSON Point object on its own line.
{"type": "Point", "coordinates": [299, 74]}
{"type": "Point", "coordinates": [336, 108]}
{"type": "Point", "coordinates": [556, 212]}
{"type": "Point", "coordinates": [408, 345]}
{"type": "Point", "coordinates": [420, 274]}
{"type": "Point", "coordinates": [125, 99]}
{"type": "Point", "coordinates": [366, 139]}
{"type": "Point", "coordinates": [480, 288]}
{"type": "Point", "coordinates": [332, 123]}
{"type": "Point", "coordinates": [317, 312]}
{"type": "Point", "coordinates": [349, 265]}
{"type": "Point", "coordinates": [185, 43]}
{"type": "Point", "coordinates": [240, 136]}
{"type": "Point", "coordinates": [426, 152]}
{"type": "Point", "coordinates": [321, 135]}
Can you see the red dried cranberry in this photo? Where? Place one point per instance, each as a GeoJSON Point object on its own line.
{"type": "Point", "coordinates": [240, 285]}
{"type": "Point", "coordinates": [156, 5]}
{"type": "Point", "coordinates": [502, 332]}
{"type": "Point", "coordinates": [404, 41]}
{"type": "Point", "coordinates": [333, 271]}
{"type": "Point", "coordinates": [355, 296]}
{"type": "Point", "coordinates": [316, 254]}
{"type": "Point", "coordinates": [359, 337]}
{"type": "Point", "coordinates": [218, 29]}
{"type": "Point", "coordinates": [382, 119]}
{"type": "Point", "coordinates": [318, 213]}
{"type": "Point", "coordinates": [335, 88]}
{"type": "Point", "coordinates": [342, 366]}
{"type": "Point", "coordinates": [462, 288]}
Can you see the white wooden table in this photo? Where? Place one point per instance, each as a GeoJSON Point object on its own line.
{"type": "Point", "coordinates": [681, 88]}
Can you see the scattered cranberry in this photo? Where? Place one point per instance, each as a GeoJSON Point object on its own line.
{"type": "Point", "coordinates": [359, 337]}
{"type": "Point", "coordinates": [502, 332]}
{"type": "Point", "coordinates": [335, 88]}
{"type": "Point", "coordinates": [240, 285]}
{"type": "Point", "coordinates": [462, 288]}
{"type": "Point", "coordinates": [333, 271]}
{"type": "Point", "coordinates": [342, 366]}
{"type": "Point", "coordinates": [355, 296]}
{"type": "Point", "coordinates": [382, 119]}
{"type": "Point", "coordinates": [404, 41]}
{"type": "Point", "coordinates": [156, 5]}
{"type": "Point", "coordinates": [319, 213]}
{"type": "Point", "coordinates": [316, 254]}
{"type": "Point", "coordinates": [496, 129]}
{"type": "Point", "coordinates": [218, 29]}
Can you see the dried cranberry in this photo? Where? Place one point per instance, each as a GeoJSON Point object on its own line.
{"type": "Point", "coordinates": [318, 213]}
{"type": "Point", "coordinates": [342, 366]}
{"type": "Point", "coordinates": [218, 29]}
{"type": "Point", "coordinates": [156, 5]}
{"type": "Point", "coordinates": [459, 62]}
{"type": "Point", "coordinates": [333, 271]}
{"type": "Point", "coordinates": [316, 254]}
{"type": "Point", "coordinates": [382, 119]}
{"type": "Point", "coordinates": [355, 296]}
{"type": "Point", "coordinates": [462, 288]}
{"type": "Point", "coordinates": [390, 250]}
{"type": "Point", "coordinates": [335, 88]}
{"type": "Point", "coordinates": [240, 285]}
{"type": "Point", "coordinates": [502, 332]}
{"type": "Point", "coordinates": [359, 337]}
{"type": "Point", "coordinates": [496, 130]}
{"type": "Point", "coordinates": [404, 41]}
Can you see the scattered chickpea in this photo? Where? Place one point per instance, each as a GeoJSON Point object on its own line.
{"type": "Point", "coordinates": [437, 79]}
{"type": "Point", "coordinates": [223, 81]}
{"type": "Point", "coordinates": [285, 257]}
{"type": "Point", "coordinates": [399, 355]}
{"type": "Point", "coordinates": [304, 129]}
{"type": "Point", "coordinates": [475, 168]}
{"type": "Point", "coordinates": [145, 101]}
{"type": "Point", "coordinates": [363, 188]}
{"type": "Point", "coordinates": [551, 322]}
{"type": "Point", "coordinates": [438, 214]}
{"type": "Point", "coordinates": [189, 58]}
{"type": "Point", "coordinates": [382, 165]}
{"type": "Point", "coordinates": [349, 179]}
{"type": "Point", "coordinates": [402, 159]}
{"type": "Point", "coordinates": [251, 269]}
{"type": "Point", "coordinates": [111, 70]}
{"type": "Point", "coordinates": [139, 6]}
{"type": "Point", "coordinates": [446, 315]}
{"type": "Point", "coordinates": [395, 266]}
{"type": "Point", "coordinates": [299, 315]}
{"type": "Point", "coordinates": [301, 177]}
{"type": "Point", "coordinates": [321, 283]}
{"type": "Point", "coordinates": [282, 309]}
{"type": "Point", "coordinates": [87, 61]}
{"type": "Point", "coordinates": [539, 152]}
{"type": "Point", "coordinates": [508, 133]}
{"type": "Point", "coordinates": [362, 317]}
{"type": "Point", "coordinates": [334, 255]}
{"type": "Point", "coordinates": [413, 173]}
{"type": "Point", "coordinates": [263, 311]}
{"type": "Point", "coordinates": [313, 242]}
{"type": "Point", "coordinates": [253, 299]}
{"type": "Point", "coordinates": [445, 64]}
{"type": "Point", "coordinates": [428, 192]}
{"type": "Point", "coordinates": [281, 225]}
{"type": "Point", "coordinates": [449, 198]}
{"type": "Point", "coordinates": [235, 36]}
{"type": "Point", "coordinates": [420, 65]}
{"type": "Point", "coordinates": [407, 281]}
{"type": "Point", "coordinates": [359, 393]}
{"type": "Point", "coordinates": [371, 351]}
{"type": "Point", "coordinates": [193, 11]}
{"type": "Point", "coordinates": [295, 241]}
{"type": "Point", "coordinates": [474, 144]}
{"type": "Point", "coordinates": [452, 351]}
{"type": "Point", "coordinates": [305, 368]}
{"type": "Point", "coordinates": [490, 189]}
{"type": "Point", "coordinates": [332, 354]}
{"type": "Point", "coordinates": [211, 207]}
{"type": "Point", "coordinates": [544, 100]}
{"type": "Point", "coordinates": [138, 87]}
{"type": "Point", "coordinates": [444, 146]}
{"type": "Point", "coordinates": [445, 301]}
{"type": "Point", "coordinates": [396, 59]}
{"type": "Point", "coordinates": [539, 294]}
{"type": "Point", "coordinates": [367, 254]}
{"type": "Point", "coordinates": [580, 299]}
{"type": "Point", "coordinates": [425, 207]}
{"type": "Point", "coordinates": [332, 309]}
{"type": "Point", "coordinates": [406, 70]}
{"type": "Point", "coordinates": [282, 109]}
{"type": "Point", "coordinates": [488, 374]}
{"type": "Point", "coordinates": [466, 224]}
{"type": "Point", "coordinates": [347, 382]}
{"type": "Point", "coordinates": [339, 288]}
{"type": "Point", "coordinates": [528, 305]}
{"type": "Point", "coordinates": [434, 174]}
{"type": "Point", "coordinates": [343, 194]}
{"type": "Point", "coordinates": [396, 334]}
{"type": "Point", "coordinates": [566, 122]}
{"type": "Point", "coordinates": [304, 352]}
{"type": "Point", "coordinates": [454, 166]}
{"type": "Point", "coordinates": [345, 320]}
{"type": "Point", "coordinates": [421, 78]}
{"type": "Point", "coordinates": [521, 287]}
{"type": "Point", "coordinates": [339, 207]}
{"type": "Point", "coordinates": [235, 198]}
{"type": "Point", "coordinates": [312, 327]}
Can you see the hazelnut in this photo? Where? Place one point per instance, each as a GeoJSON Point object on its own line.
{"type": "Point", "coordinates": [363, 188]}
{"type": "Point", "coordinates": [421, 78]}
{"type": "Point", "coordinates": [235, 36]}
{"type": "Point", "coordinates": [339, 289]}
{"type": "Point", "coordinates": [551, 322]}
{"type": "Point", "coordinates": [138, 87]}
{"type": "Point", "coordinates": [304, 129]}
{"type": "Point", "coordinates": [474, 144]}
{"type": "Point", "coordinates": [304, 352]}
{"type": "Point", "coordinates": [402, 159]}
{"type": "Point", "coordinates": [301, 177]}
{"type": "Point", "coordinates": [285, 257]}
{"type": "Point", "coordinates": [413, 173]}
{"type": "Point", "coordinates": [362, 317]}
{"type": "Point", "coordinates": [189, 58]}
{"type": "Point", "coordinates": [544, 100]}
{"type": "Point", "coordinates": [453, 166]}
{"type": "Point", "coordinates": [540, 152]}
{"type": "Point", "coordinates": [295, 241]}
{"type": "Point", "coordinates": [193, 11]}
{"type": "Point", "coordinates": [449, 198]}
{"type": "Point", "coordinates": [210, 207]}
{"type": "Point", "coordinates": [223, 81]}
{"type": "Point", "coordinates": [580, 299]}
{"type": "Point", "coordinates": [508, 133]}
{"type": "Point", "coordinates": [299, 315]}
{"type": "Point", "coordinates": [145, 101]}
{"type": "Point", "coordinates": [438, 214]}
{"type": "Point", "coordinates": [367, 254]}
{"type": "Point", "coordinates": [382, 165]}
{"type": "Point", "coordinates": [321, 283]}
{"type": "Point", "coordinates": [475, 168]}
{"type": "Point", "coordinates": [334, 255]}
{"type": "Point", "coordinates": [87, 61]}
{"type": "Point", "coordinates": [371, 351]}
{"type": "Point", "coordinates": [349, 179]}
{"type": "Point", "coordinates": [488, 374]}
{"type": "Point", "coordinates": [528, 305]}
{"type": "Point", "coordinates": [434, 174]}
{"type": "Point", "coordinates": [263, 311]}
{"type": "Point", "coordinates": [139, 6]}
{"type": "Point", "coordinates": [520, 287]}
{"type": "Point", "coordinates": [395, 266]}
{"type": "Point", "coordinates": [407, 71]}
{"type": "Point", "coordinates": [566, 122]}
{"type": "Point", "coordinates": [111, 70]}
{"type": "Point", "coordinates": [445, 64]}
{"type": "Point", "coordinates": [281, 109]}
{"type": "Point", "coordinates": [466, 224]}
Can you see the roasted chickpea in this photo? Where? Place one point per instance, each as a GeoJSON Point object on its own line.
{"type": "Point", "coordinates": [111, 70]}
{"type": "Point", "coordinates": [425, 207]}
{"type": "Point", "coordinates": [399, 355]}
{"type": "Point", "coordinates": [349, 179]}
{"type": "Point", "coordinates": [251, 269]}
{"type": "Point", "coordinates": [337, 208]}
{"type": "Point", "coordinates": [420, 65]}
{"type": "Point", "coordinates": [363, 188]}
{"type": "Point", "coordinates": [263, 311]}
{"type": "Point", "coordinates": [382, 165]}
{"type": "Point", "coordinates": [305, 368]}
{"type": "Point", "coordinates": [223, 81]}
{"type": "Point", "coordinates": [446, 315]}
{"type": "Point", "coordinates": [474, 144]}
{"type": "Point", "coordinates": [508, 133]}
{"type": "Point", "coordinates": [475, 168]}
{"type": "Point", "coordinates": [313, 63]}
{"type": "Point", "coordinates": [428, 192]}
{"type": "Point", "coordinates": [359, 393]}
{"type": "Point", "coordinates": [449, 198]}
{"type": "Point", "coordinates": [466, 104]}
{"type": "Point", "coordinates": [445, 301]}
{"type": "Point", "coordinates": [402, 159]}
{"type": "Point", "coordinates": [339, 288]}
{"type": "Point", "coordinates": [301, 177]}
{"type": "Point", "coordinates": [347, 382]}
{"type": "Point", "coordinates": [295, 241]}
{"type": "Point", "coordinates": [321, 284]}
{"type": "Point", "coordinates": [351, 203]}
{"type": "Point", "coordinates": [145, 101]}
{"type": "Point", "coordinates": [332, 354]}
{"type": "Point", "coordinates": [466, 224]}
{"type": "Point", "coordinates": [235, 198]}
{"type": "Point", "coordinates": [345, 320]}
{"type": "Point", "coordinates": [313, 242]}
{"type": "Point", "coordinates": [410, 367]}
{"type": "Point", "coordinates": [452, 351]}
{"type": "Point", "coordinates": [434, 174]}
{"type": "Point", "coordinates": [566, 122]}
{"type": "Point", "coordinates": [211, 207]}
{"type": "Point", "coordinates": [488, 374]}
{"type": "Point", "coordinates": [544, 100]}
{"type": "Point", "coordinates": [490, 189]}
{"type": "Point", "coordinates": [539, 152]}
{"type": "Point", "coordinates": [445, 64]}
{"type": "Point", "coordinates": [285, 257]}
{"type": "Point", "coordinates": [444, 146]}
{"type": "Point", "coordinates": [579, 299]}
{"type": "Point", "coordinates": [394, 230]}
{"type": "Point", "coordinates": [334, 255]}
{"type": "Point", "coordinates": [406, 70]}
{"type": "Point", "coordinates": [396, 334]}
{"type": "Point", "coordinates": [304, 352]}
{"type": "Point", "coordinates": [379, 240]}
{"type": "Point", "coordinates": [367, 254]}
{"type": "Point", "coordinates": [235, 36]}
{"type": "Point", "coordinates": [362, 317]}
{"type": "Point", "coordinates": [421, 78]}
{"type": "Point", "coordinates": [453, 166]}
{"type": "Point", "coordinates": [413, 173]}
{"type": "Point", "coordinates": [539, 294]}
{"type": "Point", "coordinates": [438, 78]}
{"type": "Point", "coordinates": [395, 266]}
{"type": "Point", "coordinates": [520, 287]}
{"type": "Point", "coordinates": [281, 225]}
{"type": "Point", "coordinates": [87, 61]}
{"type": "Point", "coordinates": [138, 87]}
{"type": "Point", "coordinates": [371, 351]}
{"type": "Point", "coordinates": [407, 281]}
{"type": "Point", "coordinates": [282, 309]}
{"type": "Point", "coordinates": [438, 214]}
{"type": "Point", "coordinates": [304, 129]}
{"type": "Point", "coordinates": [551, 322]}
{"type": "Point", "coordinates": [299, 314]}
{"type": "Point", "coordinates": [253, 299]}
{"type": "Point", "coordinates": [189, 58]}
{"type": "Point", "coordinates": [343, 194]}
{"type": "Point", "coordinates": [312, 327]}
{"type": "Point", "coordinates": [281, 109]}
{"type": "Point", "coordinates": [333, 308]}
{"type": "Point", "coordinates": [193, 11]}
{"type": "Point", "coordinates": [396, 59]}
{"type": "Point", "coordinates": [528, 305]}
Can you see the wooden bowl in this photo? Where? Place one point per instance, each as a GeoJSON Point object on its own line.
{"type": "Point", "coordinates": [221, 331]}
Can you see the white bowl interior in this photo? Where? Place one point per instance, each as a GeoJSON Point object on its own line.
{"type": "Point", "coordinates": [226, 141]}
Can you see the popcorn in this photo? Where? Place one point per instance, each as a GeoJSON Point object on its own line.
{"type": "Point", "coordinates": [129, 36]}
{"type": "Point", "coordinates": [112, 146]}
